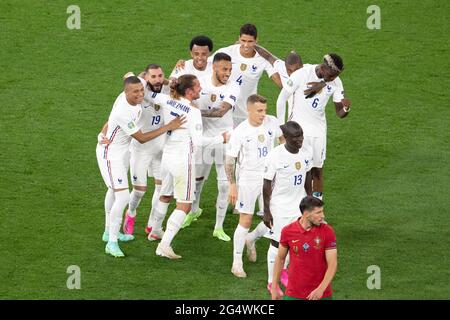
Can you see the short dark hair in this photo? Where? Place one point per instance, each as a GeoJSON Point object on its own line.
{"type": "Point", "coordinates": [309, 202]}
{"type": "Point", "coordinates": [337, 61]}
{"type": "Point", "coordinates": [131, 80]}
{"type": "Point", "coordinates": [221, 56]}
{"type": "Point", "coordinates": [201, 41]}
{"type": "Point", "coordinates": [180, 85]}
{"type": "Point", "coordinates": [254, 98]}
{"type": "Point", "coordinates": [289, 127]}
{"type": "Point", "coordinates": [293, 58]}
{"type": "Point", "coordinates": [152, 66]}
{"type": "Point", "coordinates": [249, 29]}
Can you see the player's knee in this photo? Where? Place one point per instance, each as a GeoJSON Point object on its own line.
{"type": "Point", "coordinates": [140, 188]}
{"type": "Point", "coordinates": [245, 220]}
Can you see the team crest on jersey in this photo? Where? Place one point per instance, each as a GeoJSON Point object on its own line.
{"type": "Point", "coordinates": [243, 67]}
{"type": "Point", "coordinates": [317, 242]}
{"type": "Point", "coordinates": [261, 138]}
{"type": "Point", "coordinates": [298, 165]}
{"type": "Point", "coordinates": [131, 125]}
{"type": "Point", "coordinates": [157, 107]}
{"type": "Point", "coordinates": [213, 98]}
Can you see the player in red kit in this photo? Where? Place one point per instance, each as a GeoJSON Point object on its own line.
{"type": "Point", "coordinates": [311, 244]}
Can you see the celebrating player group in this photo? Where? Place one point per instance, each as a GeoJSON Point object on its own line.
{"type": "Point", "coordinates": [208, 112]}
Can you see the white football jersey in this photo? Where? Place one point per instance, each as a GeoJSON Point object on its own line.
{"type": "Point", "coordinates": [287, 171]}
{"type": "Point", "coordinates": [252, 145]}
{"type": "Point", "coordinates": [151, 119]}
{"type": "Point", "coordinates": [252, 70]}
{"type": "Point", "coordinates": [310, 113]}
{"type": "Point", "coordinates": [122, 123]}
{"type": "Point", "coordinates": [212, 97]}
{"type": "Point", "coordinates": [190, 69]}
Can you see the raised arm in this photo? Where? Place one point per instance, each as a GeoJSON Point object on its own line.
{"type": "Point", "coordinates": [281, 105]}
{"type": "Point", "coordinates": [217, 112]}
{"type": "Point", "coordinates": [266, 54]}
{"type": "Point", "coordinates": [172, 125]}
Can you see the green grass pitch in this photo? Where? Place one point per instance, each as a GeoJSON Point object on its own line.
{"type": "Point", "coordinates": [387, 173]}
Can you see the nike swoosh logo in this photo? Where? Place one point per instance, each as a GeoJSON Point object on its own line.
{"type": "Point", "coordinates": [294, 241]}
{"type": "Point", "coordinates": [286, 166]}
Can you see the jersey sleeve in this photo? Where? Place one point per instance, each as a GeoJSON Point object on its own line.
{"type": "Point", "coordinates": [232, 94]}
{"type": "Point", "coordinates": [195, 127]}
{"type": "Point", "coordinates": [330, 238]}
{"type": "Point", "coordinates": [270, 167]}
{"type": "Point", "coordinates": [234, 145]}
{"type": "Point", "coordinates": [338, 93]}
{"type": "Point", "coordinates": [284, 238]}
{"type": "Point", "coordinates": [128, 125]}
{"type": "Point", "coordinates": [296, 79]}
{"type": "Point", "coordinates": [269, 69]}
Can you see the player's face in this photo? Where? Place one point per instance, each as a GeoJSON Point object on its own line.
{"type": "Point", "coordinates": [291, 68]}
{"type": "Point", "coordinates": [155, 79]}
{"type": "Point", "coordinates": [222, 70]}
{"type": "Point", "coordinates": [257, 113]}
{"type": "Point", "coordinates": [328, 74]}
{"type": "Point", "coordinates": [295, 140]}
{"type": "Point", "coordinates": [196, 90]}
{"type": "Point", "coordinates": [200, 56]}
{"type": "Point", "coordinates": [248, 43]}
{"type": "Point", "coordinates": [316, 216]}
{"type": "Point", "coordinates": [134, 93]}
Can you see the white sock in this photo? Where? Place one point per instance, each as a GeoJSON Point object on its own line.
{"type": "Point", "coordinates": [159, 213]}
{"type": "Point", "coordinates": [109, 201]}
{"type": "Point", "coordinates": [155, 199]}
{"type": "Point", "coordinates": [198, 192]}
{"type": "Point", "coordinates": [173, 226]}
{"type": "Point", "coordinates": [259, 231]}
{"type": "Point", "coordinates": [239, 243]}
{"type": "Point", "coordinates": [115, 218]}
{"type": "Point", "coordinates": [135, 199]}
{"type": "Point", "coordinates": [271, 255]}
{"type": "Point", "coordinates": [222, 203]}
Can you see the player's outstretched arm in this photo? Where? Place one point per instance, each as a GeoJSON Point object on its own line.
{"type": "Point", "coordinates": [267, 195]}
{"type": "Point", "coordinates": [343, 107]}
{"type": "Point", "coordinates": [266, 54]}
{"type": "Point", "coordinates": [172, 125]}
{"type": "Point", "coordinates": [217, 112]}
{"type": "Point", "coordinates": [230, 163]}
{"type": "Point", "coordinates": [279, 263]}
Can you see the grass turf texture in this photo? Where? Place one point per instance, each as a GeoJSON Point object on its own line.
{"type": "Point", "coordinates": [386, 175]}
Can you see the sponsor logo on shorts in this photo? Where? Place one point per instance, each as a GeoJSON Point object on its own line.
{"type": "Point", "coordinates": [120, 180]}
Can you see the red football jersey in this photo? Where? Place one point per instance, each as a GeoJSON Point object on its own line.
{"type": "Point", "coordinates": [308, 264]}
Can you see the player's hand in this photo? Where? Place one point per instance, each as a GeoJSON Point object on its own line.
{"type": "Point", "coordinates": [180, 64]}
{"type": "Point", "coordinates": [232, 195]}
{"type": "Point", "coordinates": [127, 75]}
{"type": "Point", "coordinates": [226, 136]}
{"type": "Point", "coordinates": [316, 294]}
{"type": "Point", "coordinates": [176, 123]}
{"type": "Point", "coordinates": [102, 139]}
{"type": "Point", "coordinates": [268, 219]}
{"type": "Point", "coordinates": [274, 292]}
{"type": "Point", "coordinates": [346, 103]}
{"type": "Point", "coordinates": [314, 88]}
